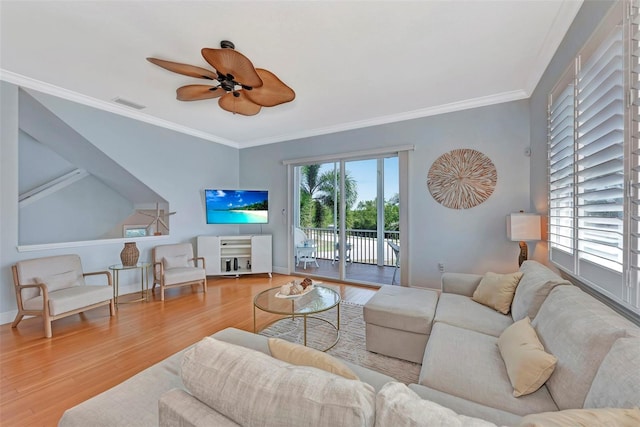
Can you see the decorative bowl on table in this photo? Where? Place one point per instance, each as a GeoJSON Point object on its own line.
{"type": "Point", "coordinates": [296, 288]}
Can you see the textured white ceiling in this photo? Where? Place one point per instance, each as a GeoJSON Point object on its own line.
{"type": "Point", "coordinates": [351, 63]}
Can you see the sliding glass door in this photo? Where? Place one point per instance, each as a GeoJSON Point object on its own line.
{"type": "Point", "coordinates": [346, 220]}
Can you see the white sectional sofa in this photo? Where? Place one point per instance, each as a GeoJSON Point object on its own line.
{"type": "Point", "coordinates": [463, 380]}
{"type": "Point", "coordinates": [598, 351]}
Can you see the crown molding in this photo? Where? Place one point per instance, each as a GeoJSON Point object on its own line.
{"type": "Point", "coordinates": [554, 37]}
{"type": "Point", "coordinates": [49, 89]}
{"type": "Point", "coordinates": [467, 104]}
{"type": "Point", "coordinates": [29, 83]}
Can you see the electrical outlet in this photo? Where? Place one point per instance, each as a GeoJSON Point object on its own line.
{"type": "Point", "coordinates": [441, 267]}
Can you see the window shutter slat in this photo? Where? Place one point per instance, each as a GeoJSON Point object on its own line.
{"type": "Point", "coordinates": [599, 165]}
{"type": "Point", "coordinates": [634, 163]}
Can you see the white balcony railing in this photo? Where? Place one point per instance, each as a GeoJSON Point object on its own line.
{"type": "Point", "coordinates": [363, 244]}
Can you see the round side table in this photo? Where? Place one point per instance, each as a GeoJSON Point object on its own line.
{"type": "Point", "coordinates": [144, 280]}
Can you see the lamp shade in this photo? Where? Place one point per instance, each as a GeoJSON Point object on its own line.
{"type": "Point", "coordinates": [523, 226]}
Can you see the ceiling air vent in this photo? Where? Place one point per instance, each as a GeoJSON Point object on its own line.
{"type": "Point", "coordinates": [128, 103]}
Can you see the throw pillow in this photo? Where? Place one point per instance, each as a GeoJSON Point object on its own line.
{"type": "Point", "coordinates": [528, 365]}
{"type": "Point", "coordinates": [496, 290]}
{"type": "Point", "coordinates": [254, 389]}
{"type": "Point", "coordinates": [399, 406]}
{"type": "Point", "coordinates": [177, 261]}
{"type": "Point", "coordinates": [584, 417]}
{"type": "Point", "coordinates": [297, 354]}
{"type": "Point", "coordinates": [60, 281]}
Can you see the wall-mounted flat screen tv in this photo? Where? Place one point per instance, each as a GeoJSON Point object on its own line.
{"type": "Point", "coordinates": [237, 206]}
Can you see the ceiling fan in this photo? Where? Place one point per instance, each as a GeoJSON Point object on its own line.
{"type": "Point", "coordinates": [242, 88]}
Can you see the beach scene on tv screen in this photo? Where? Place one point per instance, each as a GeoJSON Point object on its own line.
{"type": "Point", "coordinates": [237, 206]}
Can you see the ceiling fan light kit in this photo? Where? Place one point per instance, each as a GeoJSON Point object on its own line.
{"type": "Point", "coordinates": [242, 88]}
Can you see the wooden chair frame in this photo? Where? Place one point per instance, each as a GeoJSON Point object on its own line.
{"type": "Point", "coordinates": [45, 312]}
{"type": "Point", "coordinates": [160, 280]}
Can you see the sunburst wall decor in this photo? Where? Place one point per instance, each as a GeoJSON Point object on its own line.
{"type": "Point", "coordinates": [462, 178]}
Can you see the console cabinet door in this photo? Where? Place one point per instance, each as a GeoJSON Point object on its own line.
{"type": "Point", "coordinates": [209, 248]}
{"type": "Point", "coordinates": [261, 261]}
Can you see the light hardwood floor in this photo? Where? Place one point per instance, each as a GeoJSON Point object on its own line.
{"type": "Point", "coordinates": [89, 353]}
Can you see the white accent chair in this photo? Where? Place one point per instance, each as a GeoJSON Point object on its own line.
{"type": "Point", "coordinates": [54, 287]}
{"type": "Point", "coordinates": [306, 250]}
{"type": "Point", "coordinates": [174, 265]}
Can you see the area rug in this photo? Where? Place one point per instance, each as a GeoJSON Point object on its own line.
{"type": "Point", "coordinates": [350, 346]}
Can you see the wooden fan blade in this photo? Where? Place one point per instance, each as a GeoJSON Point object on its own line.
{"type": "Point", "coordinates": [185, 69]}
{"type": "Point", "coordinates": [239, 105]}
{"type": "Point", "coordinates": [272, 92]}
{"type": "Point", "coordinates": [228, 61]}
{"type": "Point", "coordinates": [198, 92]}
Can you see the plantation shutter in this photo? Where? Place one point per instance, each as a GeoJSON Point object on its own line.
{"type": "Point", "coordinates": [600, 164]}
{"type": "Point", "coordinates": [561, 171]}
{"type": "Point", "coordinates": [594, 161]}
{"type": "Point", "coordinates": [633, 272]}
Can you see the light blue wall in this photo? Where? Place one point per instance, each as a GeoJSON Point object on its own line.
{"type": "Point", "coordinates": [177, 166]}
{"type": "Point", "coordinates": [55, 219]}
{"type": "Point", "coordinates": [586, 21]}
{"type": "Point", "coordinates": [84, 210]}
{"type": "Point", "coordinates": [471, 240]}
{"type": "Point", "coordinates": [42, 166]}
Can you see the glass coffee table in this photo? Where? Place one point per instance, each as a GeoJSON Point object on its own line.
{"type": "Point", "coordinates": [307, 306]}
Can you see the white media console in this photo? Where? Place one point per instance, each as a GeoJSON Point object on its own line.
{"type": "Point", "coordinates": [236, 255]}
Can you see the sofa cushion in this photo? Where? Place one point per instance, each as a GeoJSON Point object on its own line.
{"type": "Point", "coordinates": [579, 331]}
{"type": "Point", "coordinates": [254, 389]}
{"type": "Point", "coordinates": [584, 417]}
{"type": "Point", "coordinates": [496, 290]}
{"type": "Point", "coordinates": [406, 309]}
{"type": "Point", "coordinates": [297, 354]}
{"type": "Point", "coordinates": [468, 364]}
{"type": "Point", "coordinates": [68, 299]}
{"type": "Point", "coordinates": [460, 283]}
{"type": "Point", "coordinates": [528, 365]}
{"type": "Point", "coordinates": [461, 311]}
{"type": "Point", "coordinates": [617, 382]}
{"type": "Point", "coordinates": [399, 406]}
{"type": "Point", "coordinates": [466, 407]}
{"type": "Point", "coordinates": [534, 287]}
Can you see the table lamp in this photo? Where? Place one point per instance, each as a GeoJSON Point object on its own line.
{"type": "Point", "coordinates": [523, 227]}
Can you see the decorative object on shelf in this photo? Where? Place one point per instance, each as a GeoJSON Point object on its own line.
{"type": "Point", "coordinates": [523, 227]}
{"type": "Point", "coordinates": [227, 265]}
{"type": "Point", "coordinates": [157, 220]}
{"type": "Point", "coordinates": [462, 178]}
{"type": "Point", "coordinates": [235, 264]}
{"type": "Point", "coordinates": [242, 89]}
{"type": "Point", "coordinates": [129, 254]}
